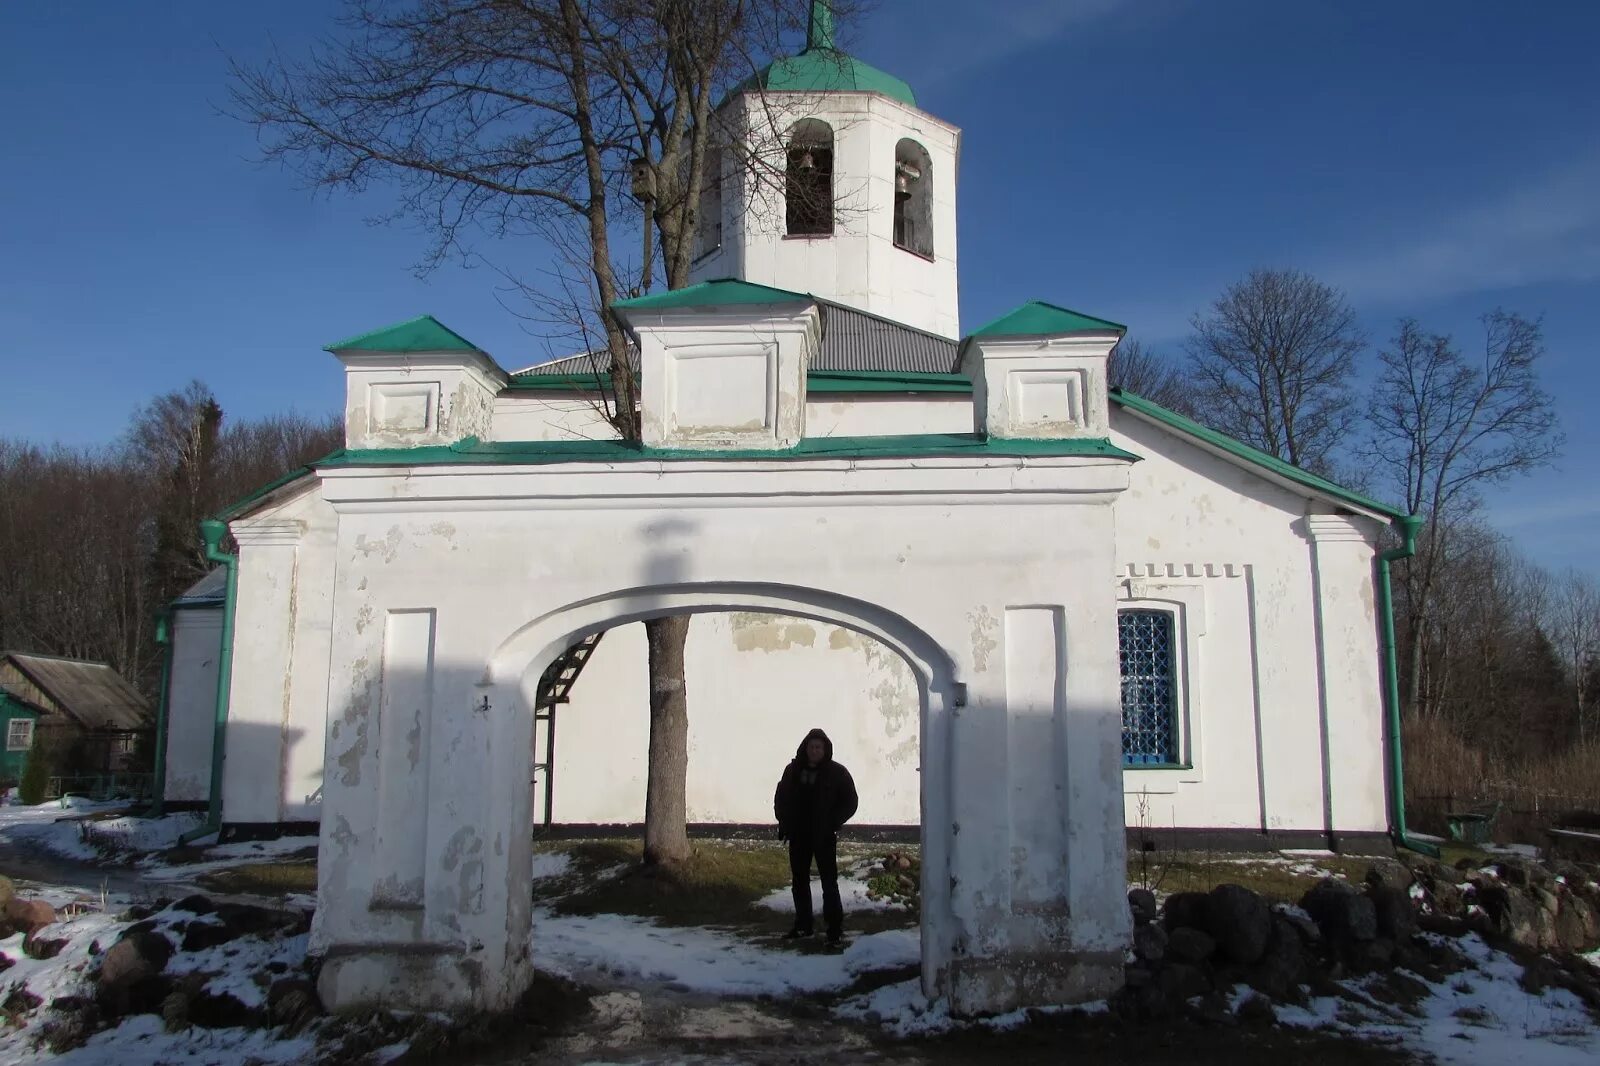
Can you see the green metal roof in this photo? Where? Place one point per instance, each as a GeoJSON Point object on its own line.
{"type": "Point", "coordinates": [532, 453]}
{"type": "Point", "coordinates": [720, 292]}
{"type": "Point", "coordinates": [1255, 456]}
{"type": "Point", "coordinates": [421, 334]}
{"type": "Point", "coordinates": [823, 68]}
{"type": "Point", "coordinates": [1039, 319]}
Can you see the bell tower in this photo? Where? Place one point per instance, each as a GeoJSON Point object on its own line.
{"type": "Point", "coordinates": [832, 181]}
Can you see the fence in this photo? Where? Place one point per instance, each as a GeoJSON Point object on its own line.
{"type": "Point", "coordinates": [120, 786]}
{"type": "Point", "coordinates": [1525, 813]}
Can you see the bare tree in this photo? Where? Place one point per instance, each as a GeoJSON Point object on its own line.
{"type": "Point", "coordinates": [547, 117]}
{"type": "Point", "coordinates": [1443, 427]}
{"type": "Point", "coordinates": [1576, 617]}
{"type": "Point", "coordinates": [1143, 372]}
{"type": "Point", "coordinates": [1271, 363]}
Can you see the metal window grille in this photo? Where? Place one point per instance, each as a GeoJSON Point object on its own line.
{"type": "Point", "coordinates": [1149, 687]}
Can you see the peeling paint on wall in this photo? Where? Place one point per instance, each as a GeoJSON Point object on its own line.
{"type": "Point", "coordinates": [753, 631]}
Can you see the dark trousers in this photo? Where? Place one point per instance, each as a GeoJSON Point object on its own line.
{"type": "Point", "coordinates": [825, 850]}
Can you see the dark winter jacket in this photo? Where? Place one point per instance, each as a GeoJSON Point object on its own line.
{"type": "Point", "coordinates": [832, 798]}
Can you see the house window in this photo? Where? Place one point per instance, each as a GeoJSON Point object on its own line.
{"type": "Point", "coordinates": [1148, 644]}
{"type": "Point", "coordinates": [913, 198]}
{"type": "Point", "coordinates": [19, 734]}
{"type": "Point", "coordinates": [808, 180]}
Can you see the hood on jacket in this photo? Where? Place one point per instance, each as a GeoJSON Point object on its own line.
{"type": "Point", "coordinates": [827, 747]}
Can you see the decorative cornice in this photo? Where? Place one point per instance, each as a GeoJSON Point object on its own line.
{"type": "Point", "coordinates": [263, 531]}
{"type": "Point", "coordinates": [1338, 527]}
{"type": "Point", "coordinates": [1163, 570]}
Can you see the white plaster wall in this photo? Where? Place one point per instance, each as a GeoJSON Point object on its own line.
{"type": "Point", "coordinates": [192, 702]}
{"type": "Point", "coordinates": [757, 683]}
{"type": "Point", "coordinates": [866, 415]}
{"type": "Point", "coordinates": [1195, 529]}
{"type": "Point", "coordinates": [275, 737]}
{"type": "Point", "coordinates": [552, 416]}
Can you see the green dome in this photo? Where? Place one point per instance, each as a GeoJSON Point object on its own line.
{"type": "Point", "coordinates": [822, 68]}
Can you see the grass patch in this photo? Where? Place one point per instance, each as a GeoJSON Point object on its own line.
{"type": "Point", "coordinates": [718, 886]}
{"type": "Point", "coordinates": [1280, 878]}
{"type": "Point", "coordinates": [264, 878]}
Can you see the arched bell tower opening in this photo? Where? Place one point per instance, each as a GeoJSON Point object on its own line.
{"type": "Point", "coordinates": [845, 188]}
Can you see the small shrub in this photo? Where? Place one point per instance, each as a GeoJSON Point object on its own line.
{"type": "Point", "coordinates": [35, 777]}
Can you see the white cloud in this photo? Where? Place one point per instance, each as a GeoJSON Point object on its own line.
{"type": "Point", "coordinates": [1544, 230]}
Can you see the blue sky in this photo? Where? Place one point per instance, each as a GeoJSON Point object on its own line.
{"type": "Point", "coordinates": [1127, 158]}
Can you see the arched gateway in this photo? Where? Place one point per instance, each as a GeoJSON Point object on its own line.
{"type": "Point", "coordinates": [462, 569]}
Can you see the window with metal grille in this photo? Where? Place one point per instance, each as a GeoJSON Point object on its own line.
{"type": "Point", "coordinates": [1149, 687]}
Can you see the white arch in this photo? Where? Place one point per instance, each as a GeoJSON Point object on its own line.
{"type": "Point", "coordinates": [528, 651]}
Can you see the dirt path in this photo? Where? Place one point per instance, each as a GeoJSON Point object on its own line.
{"type": "Point", "coordinates": [653, 1023]}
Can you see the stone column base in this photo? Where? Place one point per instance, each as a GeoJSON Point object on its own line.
{"type": "Point", "coordinates": [418, 977]}
{"type": "Point", "coordinates": [999, 984]}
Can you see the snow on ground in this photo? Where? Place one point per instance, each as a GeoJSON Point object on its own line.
{"type": "Point", "coordinates": [612, 947]}
{"type": "Point", "coordinates": [1479, 1016]}
{"type": "Point", "coordinates": [139, 1040]}
{"type": "Point", "coordinates": [548, 864]}
{"type": "Point", "coordinates": [54, 826]}
{"type": "Point", "coordinates": [156, 867]}
{"type": "Point", "coordinates": [852, 893]}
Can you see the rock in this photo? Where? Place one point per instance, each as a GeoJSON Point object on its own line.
{"type": "Point", "coordinates": [1447, 899]}
{"type": "Point", "coordinates": [139, 953]}
{"type": "Point", "coordinates": [144, 995]}
{"type": "Point", "coordinates": [1396, 916]}
{"type": "Point", "coordinates": [135, 913]}
{"type": "Point", "coordinates": [1239, 921]}
{"type": "Point", "coordinates": [175, 1012]}
{"type": "Point", "coordinates": [1180, 981]}
{"type": "Point", "coordinates": [1187, 945]}
{"type": "Point", "coordinates": [1150, 942]}
{"type": "Point", "coordinates": [29, 915]}
{"type": "Point", "coordinates": [1310, 934]}
{"type": "Point", "coordinates": [1282, 965]}
{"type": "Point", "coordinates": [222, 1011]}
{"type": "Point", "coordinates": [20, 1001]}
{"type": "Point", "coordinates": [246, 920]}
{"type": "Point", "coordinates": [1510, 914]}
{"type": "Point", "coordinates": [1184, 909]}
{"type": "Point", "coordinates": [1587, 916]}
{"type": "Point", "coordinates": [198, 936]}
{"type": "Point", "coordinates": [8, 892]}
{"type": "Point", "coordinates": [1340, 911]}
{"type": "Point", "coordinates": [1142, 902]}
{"type": "Point", "coordinates": [1258, 1011]}
{"type": "Point", "coordinates": [37, 947]}
{"type": "Point", "coordinates": [1368, 956]}
{"type": "Point", "coordinates": [1390, 874]}
{"type": "Point", "coordinates": [196, 904]}
{"type": "Point", "coordinates": [1213, 1009]}
{"type": "Point", "coordinates": [292, 1002]}
{"type": "Point", "coordinates": [902, 863]}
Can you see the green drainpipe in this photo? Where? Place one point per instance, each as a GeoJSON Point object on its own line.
{"type": "Point", "coordinates": [1408, 527]}
{"type": "Point", "coordinates": [212, 531]}
{"type": "Point", "coordinates": [158, 788]}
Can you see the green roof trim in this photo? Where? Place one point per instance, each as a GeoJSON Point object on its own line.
{"type": "Point", "coordinates": [1255, 456]}
{"type": "Point", "coordinates": [421, 334]}
{"type": "Point", "coordinates": [238, 507]}
{"type": "Point", "coordinates": [896, 381]}
{"type": "Point", "coordinates": [538, 453]}
{"type": "Point", "coordinates": [720, 292]}
{"type": "Point", "coordinates": [1039, 319]}
{"type": "Point", "coordinates": [584, 381]}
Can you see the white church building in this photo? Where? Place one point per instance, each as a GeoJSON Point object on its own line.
{"type": "Point", "coordinates": [1028, 608]}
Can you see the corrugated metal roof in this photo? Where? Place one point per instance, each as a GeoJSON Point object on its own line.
{"type": "Point", "coordinates": [851, 340]}
{"type": "Point", "coordinates": [93, 694]}
{"type": "Point", "coordinates": [212, 588]}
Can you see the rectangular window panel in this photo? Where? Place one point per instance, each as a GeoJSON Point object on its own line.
{"type": "Point", "coordinates": [19, 734]}
{"type": "Point", "coordinates": [1149, 687]}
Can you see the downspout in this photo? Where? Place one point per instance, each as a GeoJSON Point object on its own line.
{"type": "Point", "coordinates": [1408, 527]}
{"type": "Point", "coordinates": [158, 787]}
{"type": "Point", "coordinates": [212, 531]}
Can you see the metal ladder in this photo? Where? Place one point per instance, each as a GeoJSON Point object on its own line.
{"type": "Point", "coordinates": [555, 687]}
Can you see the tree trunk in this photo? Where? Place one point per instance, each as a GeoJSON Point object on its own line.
{"type": "Point", "coordinates": [666, 833]}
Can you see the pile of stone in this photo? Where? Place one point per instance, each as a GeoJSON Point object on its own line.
{"type": "Point", "coordinates": [1189, 953]}
{"type": "Point", "coordinates": [896, 878]}
{"type": "Point", "coordinates": [138, 974]}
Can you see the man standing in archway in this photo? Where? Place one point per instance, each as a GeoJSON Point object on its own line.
{"type": "Point", "coordinates": [815, 798]}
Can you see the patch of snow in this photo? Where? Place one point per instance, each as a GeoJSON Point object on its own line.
{"type": "Point", "coordinates": [903, 1011]}
{"type": "Point", "coordinates": [852, 893]}
{"type": "Point", "coordinates": [141, 1041]}
{"type": "Point", "coordinates": [619, 947]}
{"type": "Point", "coordinates": [1306, 853]}
{"type": "Point", "coordinates": [547, 864]}
{"type": "Point", "coordinates": [1481, 1015]}
{"type": "Point", "coordinates": [1518, 851]}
